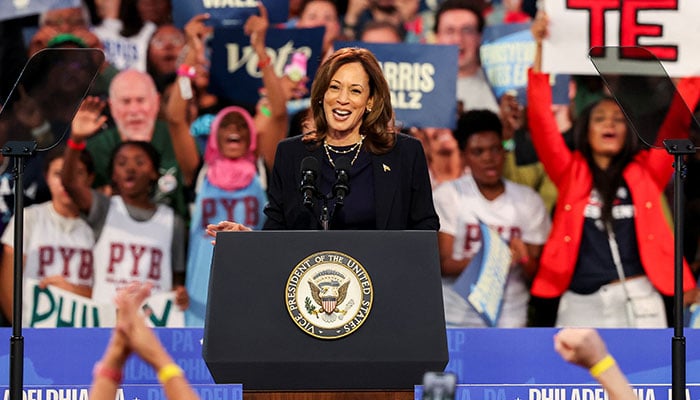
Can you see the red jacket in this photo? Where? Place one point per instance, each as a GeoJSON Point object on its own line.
{"type": "Point", "coordinates": [646, 176]}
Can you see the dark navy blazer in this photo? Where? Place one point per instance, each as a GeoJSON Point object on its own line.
{"type": "Point", "coordinates": [402, 191]}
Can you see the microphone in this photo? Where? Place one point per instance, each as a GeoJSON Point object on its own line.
{"type": "Point", "coordinates": [341, 187]}
{"type": "Point", "coordinates": [309, 172]}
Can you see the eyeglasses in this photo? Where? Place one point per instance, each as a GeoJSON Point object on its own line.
{"type": "Point", "coordinates": [58, 22]}
{"type": "Point", "coordinates": [162, 42]}
{"type": "Point", "coordinates": [463, 31]}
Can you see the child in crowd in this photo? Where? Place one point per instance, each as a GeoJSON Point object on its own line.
{"type": "Point", "coordinates": [230, 189]}
{"type": "Point", "coordinates": [57, 243]}
{"type": "Point", "coordinates": [136, 239]}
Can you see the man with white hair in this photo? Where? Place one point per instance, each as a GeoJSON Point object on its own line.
{"type": "Point", "coordinates": [134, 103]}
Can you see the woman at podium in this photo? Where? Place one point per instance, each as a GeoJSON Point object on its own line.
{"type": "Point", "coordinates": [355, 171]}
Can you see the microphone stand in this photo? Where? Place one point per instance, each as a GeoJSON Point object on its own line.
{"type": "Point", "coordinates": [325, 222]}
{"type": "Point", "coordinates": [19, 152]}
{"type": "Point", "coordinates": [678, 148]}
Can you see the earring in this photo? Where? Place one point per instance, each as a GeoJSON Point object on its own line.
{"type": "Point", "coordinates": [369, 109]}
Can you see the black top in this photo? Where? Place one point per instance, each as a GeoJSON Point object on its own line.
{"type": "Point", "coordinates": [395, 187]}
{"type": "Point", "coordinates": [595, 266]}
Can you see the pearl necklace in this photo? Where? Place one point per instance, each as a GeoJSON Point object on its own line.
{"type": "Point", "coordinates": [355, 147]}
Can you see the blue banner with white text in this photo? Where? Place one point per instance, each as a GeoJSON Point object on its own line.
{"type": "Point", "coordinates": [234, 70]}
{"type": "Point", "coordinates": [506, 52]}
{"type": "Point", "coordinates": [485, 356]}
{"type": "Point", "coordinates": [228, 12]}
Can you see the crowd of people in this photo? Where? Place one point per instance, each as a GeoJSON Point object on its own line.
{"type": "Point", "coordinates": [156, 163]}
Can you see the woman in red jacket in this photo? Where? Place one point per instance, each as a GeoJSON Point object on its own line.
{"type": "Point", "coordinates": [610, 251]}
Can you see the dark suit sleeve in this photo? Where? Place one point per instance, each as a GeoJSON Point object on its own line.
{"type": "Point", "coordinates": [274, 208]}
{"type": "Point", "coordinates": [284, 209]}
{"type": "Point", "coordinates": [422, 215]}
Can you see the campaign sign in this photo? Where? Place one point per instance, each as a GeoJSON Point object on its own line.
{"type": "Point", "coordinates": [559, 392]}
{"type": "Point", "coordinates": [507, 51]}
{"type": "Point", "coordinates": [10, 9]}
{"type": "Point", "coordinates": [422, 79]}
{"type": "Point", "coordinates": [228, 12]}
{"type": "Point", "coordinates": [234, 70]}
{"type": "Point", "coordinates": [52, 307]}
{"type": "Point", "coordinates": [483, 282]}
{"type": "Point", "coordinates": [484, 356]}
{"type": "Point", "coordinates": [668, 29]}
{"type": "Point", "coordinates": [125, 392]}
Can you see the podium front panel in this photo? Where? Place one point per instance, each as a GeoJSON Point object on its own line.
{"type": "Point", "coordinates": [250, 338]}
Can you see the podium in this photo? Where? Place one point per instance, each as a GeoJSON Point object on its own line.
{"type": "Point", "coordinates": [254, 333]}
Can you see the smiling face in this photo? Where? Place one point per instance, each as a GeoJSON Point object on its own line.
{"type": "Point", "coordinates": [133, 172]}
{"type": "Point", "coordinates": [346, 100]}
{"type": "Point", "coordinates": [607, 131]}
{"type": "Point", "coordinates": [484, 155]}
{"type": "Point", "coordinates": [233, 136]}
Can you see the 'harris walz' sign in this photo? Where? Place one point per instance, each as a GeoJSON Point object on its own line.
{"type": "Point", "coordinates": [422, 79]}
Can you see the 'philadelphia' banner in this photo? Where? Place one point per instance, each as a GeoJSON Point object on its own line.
{"type": "Point", "coordinates": [485, 356]}
{"type": "Point", "coordinates": [53, 307]}
{"type": "Point", "coordinates": [10, 9]}
{"type": "Point", "coordinates": [228, 12]}
{"type": "Point", "coordinates": [422, 79]}
{"type": "Point", "coordinates": [125, 392]}
{"type": "Point", "coordinates": [234, 64]}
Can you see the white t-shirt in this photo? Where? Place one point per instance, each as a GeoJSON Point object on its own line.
{"type": "Point", "coordinates": [476, 93]}
{"type": "Point", "coordinates": [54, 245]}
{"type": "Point", "coordinates": [133, 251]}
{"type": "Point", "coordinates": [518, 212]}
{"type": "Point", "coordinates": [125, 52]}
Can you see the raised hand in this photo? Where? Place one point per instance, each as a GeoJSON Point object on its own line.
{"type": "Point", "coordinates": [89, 119]}
{"type": "Point", "coordinates": [256, 27]}
{"type": "Point", "coordinates": [581, 346]}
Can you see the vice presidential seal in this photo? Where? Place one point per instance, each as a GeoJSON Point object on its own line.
{"type": "Point", "coordinates": [329, 295]}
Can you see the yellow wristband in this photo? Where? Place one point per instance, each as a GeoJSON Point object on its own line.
{"type": "Point", "coordinates": [602, 366]}
{"type": "Point", "coordinates": [169, 372]}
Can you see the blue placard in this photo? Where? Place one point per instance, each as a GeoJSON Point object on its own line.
{"type": "Point", "coordinates": [507, 52]}
{"type": "Point", "coordinates": [234, 70]}
{"type": "Point", "coordinates": [10, 9]}
{"type": "Point", "coordinates": [422, 79]}
{"type": "Point", "coordinates": [482, 283]}
{"type": "Point", "coordinates": [228, 12]}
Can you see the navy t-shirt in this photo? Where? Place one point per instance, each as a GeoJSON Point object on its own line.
{"type": "Point", "coordinates": [595, 266]}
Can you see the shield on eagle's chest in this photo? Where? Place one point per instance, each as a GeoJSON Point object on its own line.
{"type": "Point", "coordinates": [329, 303]}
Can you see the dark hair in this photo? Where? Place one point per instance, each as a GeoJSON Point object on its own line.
{"type": "Point", "coordinates": [130, 17]}
{"type": "Point", "coordinates": [399, 30]}
{"type": "Point", "coordinates": [476, 121]}
{"type": "Point", "coordinates": [376, 124]}
{"type": "Point", "coordinates": [58, 152]}
{"type": "Point", "coordinates": [306, 3]}
{"type": "Point", "coordinates": [475, 6]}
{"type": "Point", "coordinates": [609, 180]}
{"type": "Point", "coordinates": [147, 147]}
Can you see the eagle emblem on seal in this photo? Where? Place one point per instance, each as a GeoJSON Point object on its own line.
{"type": "Point", "coordinates": [328, 294]}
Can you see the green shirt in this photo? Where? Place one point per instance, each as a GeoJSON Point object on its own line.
{"type": "Point", "coordinates": [169, 190]}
